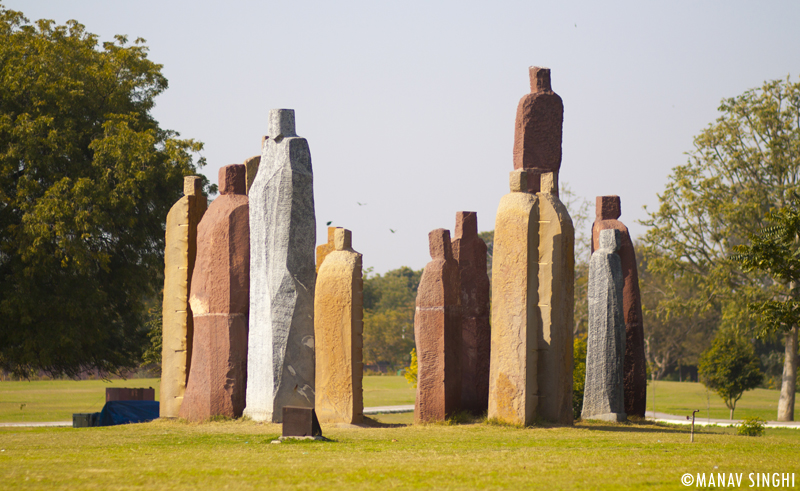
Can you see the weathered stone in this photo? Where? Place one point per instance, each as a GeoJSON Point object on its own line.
{"type": "Point", "coordinates": [300, 422]}
{"type": "Point", "coordinates": [251, 165]}
{"type": "Point", "coordinates": [177, 325]}
{"type": "Point", "coordinates": [437, 329]}
{"type": "Point", "coordinates": [556, 304]}
{"type": "Point", "coordinates": [603, 396]}
{"type": "Point", "coordinates": [469, 250]}
{"type": "Point", "coordinates": [338, 326]}
{"type": "Point", "coordinates": [608, 211]}
{"type": "Point", "coordinates": [537, 134]}
{"type": "Point", "coordinates": [219, 302]}
{"type": "Point", "coordinates": [513, 388]}
{"type": "Point", "coordinates": [324, 249]}
{"type": "Point", "coordinates": [283, 236]}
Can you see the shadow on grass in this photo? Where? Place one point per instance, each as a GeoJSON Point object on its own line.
{"type": "Point", "coordinates": [374, 423]}
{"type": "Point", "coordinates": [640, 426]}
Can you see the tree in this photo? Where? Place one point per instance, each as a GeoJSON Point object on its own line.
{"type": "Point", "coordinates": [389, 306]}
{"type": "Point", "coordinates": [730, 367]}
{"type": "Point", "coordinates": [741, 166]}
{"type": "Point", "coordinates": [86, 179]}
{"type": "Point", "coordinates": [775, 251]}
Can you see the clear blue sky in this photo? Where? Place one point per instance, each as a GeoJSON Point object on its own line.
{"type": "Point", "coordinates": [409, 106]}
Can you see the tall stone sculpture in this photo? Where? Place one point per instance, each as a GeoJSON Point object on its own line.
{"type": "Point", "coordinates": [608, 211]}
{"type": "Point", "coordinates": [219, 301]}
{"type": "Point", "coordinates": [251, 166]}
{"type": "Point", "coordinates": [603, 392]}
{"type": "Point", "coordinates": [556, 303]}
{"type": "Point", "coordinates": [324, 249]}
{"type": "Point", "coordinates": [177, 325]}
{"type": "Point", "coordinates": [338, 319]}
{"type": "Point", "coordinates": [469, 250]}
{"type": "Point", "coordinates": [513, 386]}
{"type": "Point", "coordinates": [537, 135]}
{"type": "Point", "coordinates": [282, 238]}
{"type": "Point", "coordinates": [437, 329]}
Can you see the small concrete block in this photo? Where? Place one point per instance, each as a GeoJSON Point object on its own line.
{"type": "Point", "coordinates": [300, 421]}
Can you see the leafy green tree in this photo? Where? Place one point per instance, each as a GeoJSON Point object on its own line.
{"type": "Point", "coordinates": [730, 367]}
{"type": "Point", "coordinates": [775, 251]}
{"type": "Point", "coordinates": [578, 374]}
{"type": "Point", "coordinates": [741, 166]}
{"type": "Point", "coordinates": [389, 306]}
{"type": "Point", "coordinates": [86, 179]}
{"type": "Point", "coordinates": [413, 369]}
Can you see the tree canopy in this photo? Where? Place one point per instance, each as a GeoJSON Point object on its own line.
{"type": "Point", "coordinates": [730, 367]}
{"type": "Point", "coordinates": [87, 177]}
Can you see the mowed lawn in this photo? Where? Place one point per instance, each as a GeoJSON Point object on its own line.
{"type": "Point", "coordinates": [57, 400]}
{"type": "Point", "coordinates": [175, 455]}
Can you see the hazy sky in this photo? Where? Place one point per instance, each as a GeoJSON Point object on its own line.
{"type": "Point", "coordinates": [409, 107]}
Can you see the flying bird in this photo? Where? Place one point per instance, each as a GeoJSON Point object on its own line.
{"type": "Point", "coordinates": [329, 222]}
{"type": "Point", "coordinates": [390, 230]}
{"type": "Point", "coordinates": [361, 204]}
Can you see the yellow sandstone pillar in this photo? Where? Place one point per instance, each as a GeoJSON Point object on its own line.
{"type": "Point", "coordinates": [515, 313]}
{"type": "Point", "coordinates": [338, 326]}
{"type": "Point", "coordinates": [177, 325]}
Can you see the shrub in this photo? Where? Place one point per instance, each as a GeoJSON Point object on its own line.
{"type": "Point", "coordinates": [751, 427]}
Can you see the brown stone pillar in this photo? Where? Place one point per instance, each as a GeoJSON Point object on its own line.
{"type": "Point", "coordinates": [338, 327]}
{"type": "Point", "coordinates": [220, 301]}
{"type": "Point", "coordinates": [556, 304]}
{"type": "Point", "coordinates": [251, 169]}
{"type": "Point", "coordinates": [515, 313]}
{"type": "Point", "coordinates": [177, 325]}
{"type": "Point", "coordinates": [469, 250]}
{"type": "Point", "coordinates": [537, 133]}
{"type": "Point", "coordinates": [608, 210]}
{"type": "Point", "coordinates": [437, 328]}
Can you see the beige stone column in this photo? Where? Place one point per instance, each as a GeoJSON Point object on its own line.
{"type": "Point", "coordinates": [338, 327]}
{"type": "Point", "coordinates": [177, 326]}
{"type": "Point", "coordinates": [556, 304]}
{"type": "Point", "coordinates": [515, 314]}
{"type": "Point", "coordinates": [326, 248]}
{"type": "Point", "coordinates": [251, 169]}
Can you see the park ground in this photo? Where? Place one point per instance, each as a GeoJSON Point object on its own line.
{"type": "Point", "coordinates": [390, 454]}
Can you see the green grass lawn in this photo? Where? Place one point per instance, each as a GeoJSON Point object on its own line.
{"type": "Point", "coordinates": [239, 455]}
{"type": "Point", "coordinates": [56, 400]}
{"type": "Point", "coordinates": [681, 398]}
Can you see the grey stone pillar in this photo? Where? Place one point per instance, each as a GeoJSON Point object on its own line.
{"type": "Point", "coordinates": [603, 396]}
{"type": "Point", "coordinates": [280, 362]}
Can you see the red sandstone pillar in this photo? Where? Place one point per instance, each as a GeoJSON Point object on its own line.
{"type": "Point", "coordinates": [220, 302]}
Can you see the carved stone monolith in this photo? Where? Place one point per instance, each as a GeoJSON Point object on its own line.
{"type": "Point", "coordinates": [513, 387]}
{"type": "Point", "coordinates": [607, 213]}
{"type": "Point", "coordinates": [556, 303]}
{"type": "Point", "coordinates": [282, 237]}
{"type": "Point", "coordinates": [437, 329]}
{"type": "Point", "coordinates": [338, 326]}
{"type": "Point", "coordinates": [324, 249]}
{"type": "Point", "coordinates": [603, 396]}
{"type": "Point", "coordinates": [177, 324]}
{"type": "Point", "coordinates": [469, 250]}
{"type": "Point", "coordinates": [537, 133]}
{"type": "Point", "coordinates": [219, 302]}
{"type": "Point", "coordinates": [251, 166]}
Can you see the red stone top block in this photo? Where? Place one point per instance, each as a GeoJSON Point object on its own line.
{"type": "Point", "coordinates": [233, 180]}
{"type": "Point", "coordinates": [607, 208]}
{"type": "Point", "coordinates": [540, 79]}
{"type": "Point", "coordinates": [440, 245]}
{"type": "Point", "coordinates": [466, 224]}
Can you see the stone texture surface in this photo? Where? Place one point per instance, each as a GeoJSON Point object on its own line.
{"type": "Point", "coordinates": [537, 132]}
{"type": "Point", "coordinates": [283, 236]}
{"type": "Point", "coordinates": [437, 329]}
{"type": "Point", "coordinates": [556, 304]}
{"type": "Point", "coordinates": [251, 166]}
{"type": "Point", "coordinates": [513, 386]}
{"type": "Point", "coordinates": [607, 212]}
{"type": "Point", "coordinates": [338, 327]}
{"type": "Point", "coordinates": [469, 250]}
{"type": "Point", "coordinates": [324, 249]}
{"type": "Point", "coordinates": [177, 325]}
{"type": "Point", "coordinates": [603, 396]}
{"type": "Point", "coordinates": [219, 302]}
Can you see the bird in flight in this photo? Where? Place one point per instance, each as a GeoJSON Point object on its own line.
{"type": "Point", "coordinates": [329, 222]}
{"type": "Point", "coordinates": [361, 204]}
{"type": "Point", "coordinates": [391, 230]}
